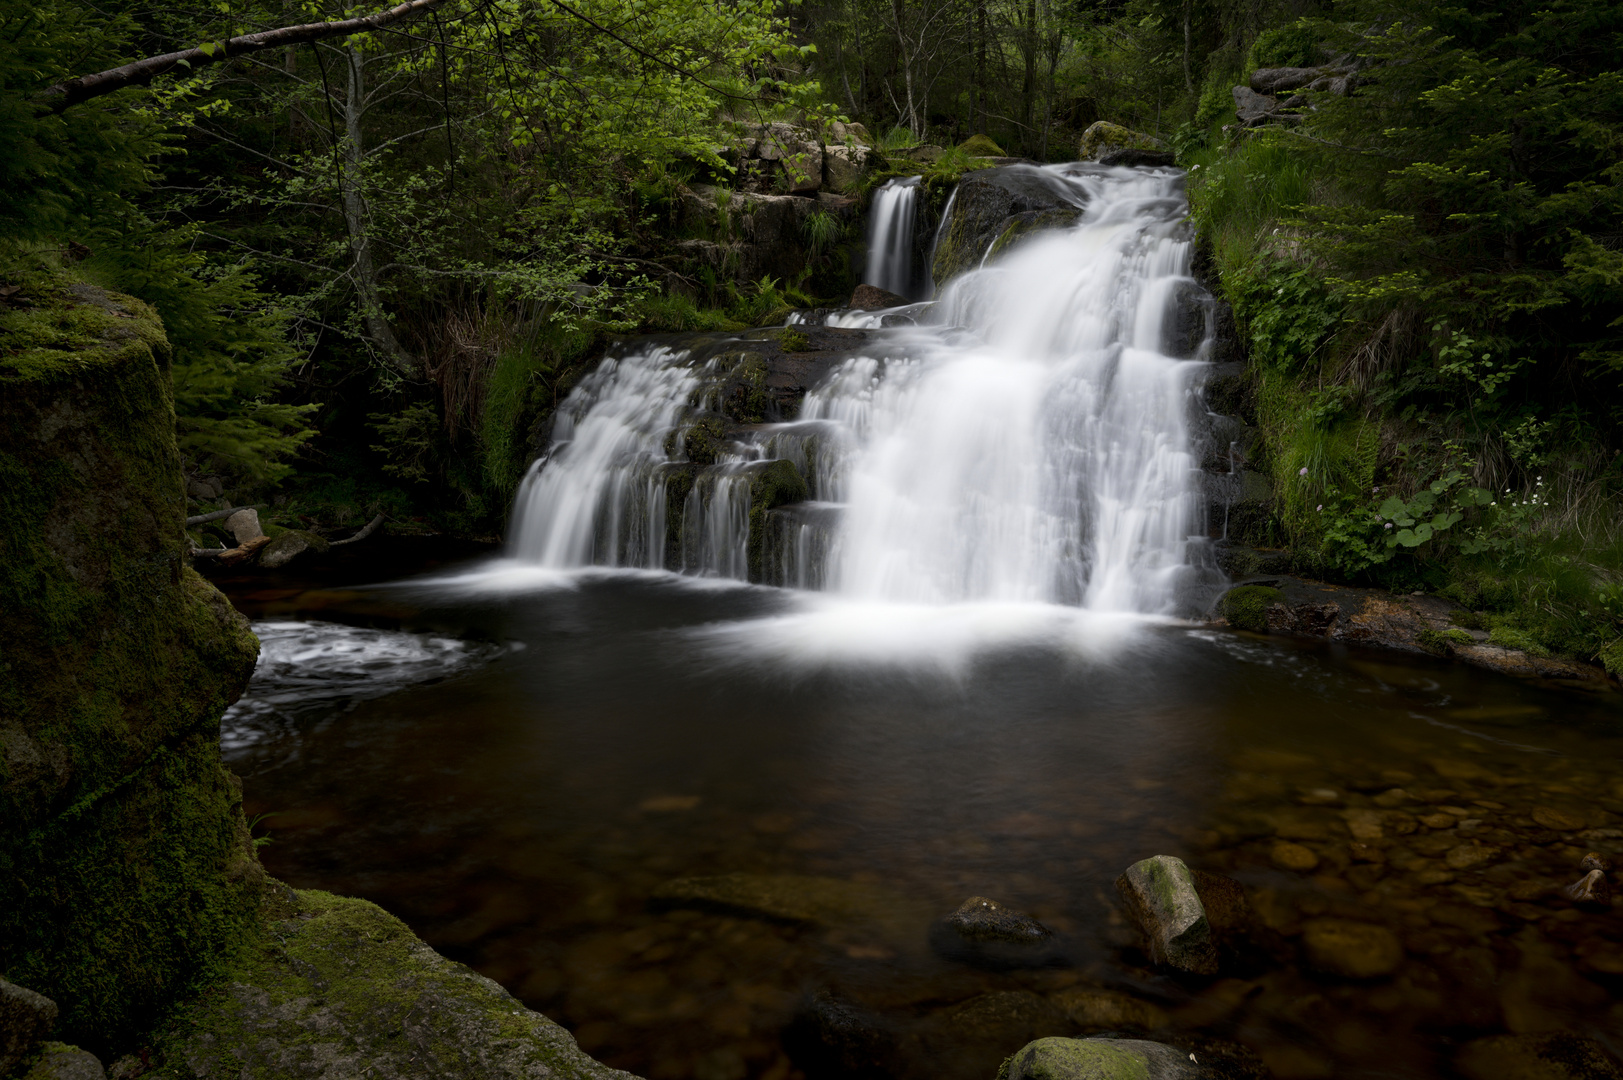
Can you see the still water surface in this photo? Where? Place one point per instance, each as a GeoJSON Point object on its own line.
{"type": "Point", "coordinates": [586, 739]}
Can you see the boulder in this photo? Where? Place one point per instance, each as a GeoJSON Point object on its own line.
{"type": "Point", "coordinates": [1246, 606]}
{"type": "Point", "coordinates": [244, 525]}
{"type": "Point", "coordinates": [1253, 108]}
{"type": "Point", "coordinates": [985, 208]}
{"type": "Point", "coordinates": [873, 298]}
{"type": "Point", "coordinates": [982, 146]}
{"type": "Point", "coordinates": [926, 154]}
{"type": "Point", "coordinates": [289, 546]}
{"type": "Point", "coordinates": [985, 933]}
{"type": "Point", "coordinates": [1355, 950]}
{"type": "Point", "coordinates": [837, 1039]}
{"type": "Point", "coordinates": [853, 134]}
{"type": "Point", "coordinates": [1093, 1009]}
{"type": "Point", "coordinates": [1099, 1059]}
{"type": "Point", "coordinates": [1162, 899]}
{"type": "Point", "coordinates": [59, 1061]}
{"type": "Point", "coordinates": [1132, 156]}
{"type": "Point", "coordinates": [1551, 1056]}
{"type": "Point", "coordinates": [1103, 137]}
{"type": "Point", "coordinates": [1280, 80]}
{"type": "Point", "coordinates": [335, 987]}
{"type": "Point", "coordinates": [845, 166]}
{"type": "Point", "coordinates": [25, 1019]}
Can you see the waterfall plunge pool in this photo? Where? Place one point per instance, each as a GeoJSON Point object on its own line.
{"type": "Point", "coordinates": [525, 812]}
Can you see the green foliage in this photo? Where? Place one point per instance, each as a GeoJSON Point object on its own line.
{"type": "Point", "coordinates": [1442, 642]}
{"type": "Point", "coordinates": [898, 138]}
{"type": "Point", "coordinates": [794, 341]}
{"type": "Point", "coordinates": [1295, 44]}
{"type": "Point", "coordinates": [823, 232]}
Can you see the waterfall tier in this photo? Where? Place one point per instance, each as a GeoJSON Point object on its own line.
{"type": "Point", "coordinates": [1028, 441]}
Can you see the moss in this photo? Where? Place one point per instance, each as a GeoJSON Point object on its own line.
{"type": "Point", "coordinates": [1246, 606]}
{"type": "Point", "coordinates": [1103, 137]}
{"type": "Point", "coordinates": [1611, 658]}
{"type": "Point", "coordinates": [337, 986]}
{"type": "Point", "coordinates": [125, 870]}
{"type": "Point", "coordinates": [777, 484]}
{"type": "Point", "coordinates": [981, 146]}
{"type": "Point", "coordinates": [1511, 638]}
{"type": "Point", "coordinates": [1442, 642]}
{"type": "Point", "coordinates": [794, 341]}
{"type": "Point", "coordinates": [702, 440]}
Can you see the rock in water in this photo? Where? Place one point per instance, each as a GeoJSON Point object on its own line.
{"type": "Point", "coordinates": [985, 933]}
{"type": "Point", "coordinates": [244, 525]}
{"type": "Point", "coordinates": [1093, 1009]}
{"type": "Point", "coordinates": [25, 1019]}
{"type": "Point", "coordinates": [1133, 156]}
{"type": "Point", "coordinates": [63, 1062]}
{"type": "Point", "coordinates": [1161, 897]}
{"type": "Point", "coordinates": [872, 298]}
{"type": "Point", "coordinates": [1554, 1056]}
{"type": "Point", "coordinates": [1354, 949]}
{"type": "Point", "coordinates": [1099, 1059]}
{"type": "Point", "coordinates": [833, 1038]}
{"type": "Point", "coordinates": [289, 546]}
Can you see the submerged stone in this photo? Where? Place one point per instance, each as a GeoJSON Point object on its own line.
{"type": "Point", "coordinates": [1099, 1059]}
{"type": "Point", "coordinates": [833, 1038]}
{"type": "Point", "coordinates": [1552, 1056]}
{"type": "Point", "coordinates": [821, 901]}
{"type": "Point", "coordinates": [1162, 899]}
{"type": "Point", "coordinates": [1356, 950]}
{"type": "Point", "coordinates": [985, 933]}
{"type": "Point", "coordinates": [1093, 1009]}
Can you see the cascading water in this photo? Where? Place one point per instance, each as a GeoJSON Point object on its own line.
{"type": "Point", "coordinates": [890, 237]}
{"type": "Point", "coordinates": [1030, 443]}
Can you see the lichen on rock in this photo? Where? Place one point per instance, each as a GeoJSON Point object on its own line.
{"type": "Point", "coordinates": [1102, 137]}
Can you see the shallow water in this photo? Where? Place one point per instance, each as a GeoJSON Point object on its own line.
{"type": "Point", "coordinates": [591, 737]}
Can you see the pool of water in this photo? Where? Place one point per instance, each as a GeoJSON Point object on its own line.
{"type": "Point", "coordinates": [520, 765]}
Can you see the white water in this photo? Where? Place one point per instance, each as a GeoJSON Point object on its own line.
{"type": "Point", "coordinates": [1028, 444]}
{"type": "Point", "coordinates": [890, 236]}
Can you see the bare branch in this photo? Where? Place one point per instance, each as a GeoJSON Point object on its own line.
{"type": "Point", "coordinates": [66, 94]}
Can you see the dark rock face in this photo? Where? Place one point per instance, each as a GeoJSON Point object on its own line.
{"type": "Point", "coordinates": [1136, 157]}
{"type": "Point", "coordinates": [984, 208]}
{"type": "Point", "coordinates": [1279, 80]}
{"type": "Point", "coordinates": [873, 298]}
{"type": "Point", "coordinates": [125, 863]}
{"type": "Point", "coordinates": [25, 1019]}
{"type": "Point", "coordinates": [1252, 107]}
{"type": "Point", "coordinates": [985, 933]}
{"type": "Point", "coordinates": [835, 1039]}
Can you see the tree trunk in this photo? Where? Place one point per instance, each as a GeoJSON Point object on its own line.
{"type": "Point", "coordinates": [1028, 85]}
{"type": "Point", "coordinates": [357, 220]}
{"type": "Point", "coordinates": [980, 62]}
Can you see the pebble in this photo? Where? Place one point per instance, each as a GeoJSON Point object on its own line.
{"type": "Point", "coordinates": [1289, 856]}
{"type": "Point", "coordinates": [1364, 824]}
{"type": "Point", "coordinates": [1357, 950]}
{"type": "Point", "coordinates": [1559, 820]}
{"type": "Point", "coordinates": [1467, 856]}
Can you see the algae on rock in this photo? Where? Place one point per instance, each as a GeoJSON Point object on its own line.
{"type": "Point", "coordinates": [126, 871]}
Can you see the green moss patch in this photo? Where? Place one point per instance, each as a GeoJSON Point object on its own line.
{"type": "Point", "coordinates": [1246, 606]}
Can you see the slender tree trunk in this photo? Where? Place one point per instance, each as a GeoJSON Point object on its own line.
{"type": "Point", "coordinates": [357, 220]}
{"type": "Point", "coordinates": [1188, 75]}
{"type": "Point", "coordinates": [980, 62]}
{"type": "Point", "coordinates": [1028, 85]}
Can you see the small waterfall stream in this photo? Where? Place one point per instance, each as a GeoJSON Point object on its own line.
{"type": "Point", "coordinates": [890, 237]}
{"type": "Point", "coordinates": [1028, 442]}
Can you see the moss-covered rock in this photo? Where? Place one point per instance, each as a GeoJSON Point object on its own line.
{"type": "Point", "coordinates": [1246, 606]}
{"type": "Point", "coordinates": [1098, 1059]}
{"type": "Point", "coordinates": [775, 484]}
{"type": "Point", "coordinates": [981, 146]}
{"type": "Point", "coordinates": [995, 206]}
{"type": "Point", "coordinates": [1103, 137]}
{"type": "Point", "coordinates": [59, 1061]}
{"type": "Point", "coordinates": [290, 544]}
{"type": "Point", "coordinates": [126, 872]}
{"type": "Point", "coordinates": [339, 987]}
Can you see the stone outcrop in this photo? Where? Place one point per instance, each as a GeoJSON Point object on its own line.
{"type": "Point", "coordinates": [1261, 103]}
{"type": "Point", "coordinates": [743, 235]}
{"type": "Point", "coordinates": [1288, 605]}
{"type": "Point", "coordinates": [985, 933]}
{"type": "Point", "coordinates": [125, 864]}
{"type": "Point", "coordinates": [338, 987]}
{"type": "Point", "coordinates": [873, 298]}
{"type": "Point", "coordinates": [994, 207]}
{"type": "Point", "coordinates": [25, 1019]}
{"type": "Point", "coordinates": [1103, 137]}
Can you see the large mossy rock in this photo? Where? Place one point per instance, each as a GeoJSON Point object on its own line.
{"type": "Point", "coordinates": [993, 207]}
{"type": "Point", "coordinates": [1103, 137]}
{"type": "Point", "coordinates": [1099, 1059]}
{"type": "Point", "coordinates": [339, 987]}
{"type": "Point", "coordinates": [126, 871]}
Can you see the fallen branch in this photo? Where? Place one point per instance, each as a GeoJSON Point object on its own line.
{"type": "Point", "coordinates": [66, 94]}
{"type": "Point", "coordinates": [367, 530]}
{"type": "Point", "coordinates": [218, 515]}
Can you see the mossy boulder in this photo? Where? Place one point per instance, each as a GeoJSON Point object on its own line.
{"type": "Point", "coordinates": [775, 484]}
{"type": "Point", "coordinates": [1098, 1059]}
{"type": "Point", "coordinates": [981, 146]}
{"type": "Point", "coordinates": [1103, 137]}
{"type": "Point", "coordinates": [339, 987]}
{"type": "Point", "coordinates": [995, 206]}
{"type": "Point", "coordinates": [290, 544]}
{"type": "Point", "coordinates": [126, 872]}
{"type": "Point", "coordinates": [1246, 606]}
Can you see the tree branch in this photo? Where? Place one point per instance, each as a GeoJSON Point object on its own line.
{"type": "Point", "coordinates": [66, 94]}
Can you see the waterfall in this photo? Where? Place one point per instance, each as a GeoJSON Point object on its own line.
{"type": "Point", "coordinates": [890, 237]}
{"type": "Point", "coordinates": [1029, 442]}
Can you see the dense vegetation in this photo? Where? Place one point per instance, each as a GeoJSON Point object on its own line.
{"type": "Point", "coordinates": [382, 258]}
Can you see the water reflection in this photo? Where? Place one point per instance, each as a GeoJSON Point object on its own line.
{"type": "Point", "coordinates": [528, 814]}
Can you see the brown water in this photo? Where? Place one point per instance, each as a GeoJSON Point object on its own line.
{"type": "Point", "coordinates": [522, 813]}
